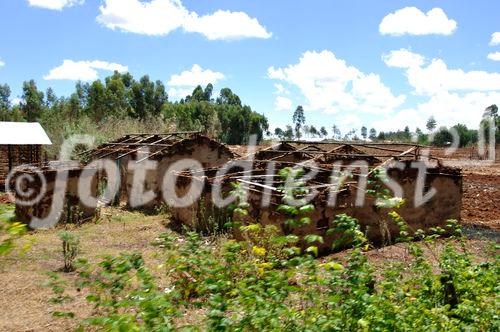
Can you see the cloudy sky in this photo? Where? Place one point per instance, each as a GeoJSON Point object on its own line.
{"type": "Point", "coordinates": [351, 63]}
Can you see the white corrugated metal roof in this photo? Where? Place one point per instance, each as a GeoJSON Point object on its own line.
{"type": "Point", "coordinates": [23, 133]}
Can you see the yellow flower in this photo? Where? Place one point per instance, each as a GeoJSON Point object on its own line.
{"type": "Point", "coordinates": [262, 267]}
{"type": "Point", "coordinates": [332, 266]}
{"type": "Point", "coordinates": [265, 266]}
{"type": "Point", "coordinates": [259, 251]}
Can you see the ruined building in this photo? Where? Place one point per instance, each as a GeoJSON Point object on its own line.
{"type": "Point", "coordinates": [164, 149]}
{"type": "Point", "coordinates": [444, 183]}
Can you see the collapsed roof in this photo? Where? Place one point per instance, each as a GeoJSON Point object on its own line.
{"type": "Point", "coordinates": [133, 143]}
{"type": "Point", "coordinates": [329, 152]}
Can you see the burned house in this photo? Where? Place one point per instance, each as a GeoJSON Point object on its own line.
{"type": "Point", "coordinates": [20, 143]}
{"type": "Point", "coordinates": [163, 150]}
{"type": "Point", "coordinates": [444, 183]}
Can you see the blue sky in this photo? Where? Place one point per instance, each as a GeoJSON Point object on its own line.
{"type": "Point", "coordinates": [350, 63]}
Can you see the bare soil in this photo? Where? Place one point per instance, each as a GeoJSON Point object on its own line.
{"type": "Point", "coordinates": [24, 295]}
{"type": "Point", "coordinates": [481, 187]}
{"type": "Point", "coordinates": [5, 199]}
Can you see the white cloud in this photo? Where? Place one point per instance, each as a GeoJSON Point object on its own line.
{"type": "Point", "coordinates": [412, 21]}
{"type": "Point", "coordinates": [226, 25]}
{"type": "Point", "coordinates": [2, 63]}
{"type": "Point", "coordinates": [448, 108]}
{"type": "Point", "coordinates": [178, 93]}
{"type": "Point", "coordinates": [403, 58]}
{"type": "Point", "coordinates": [348, 122]}
{"type": "Point", "coordinates": [494, 56]}
{"type": "Point", "coordinates": [160, 17]}
{"type": "Point", "coordinates": [495, 39]}
{"type": "Point", "coordinates": [183, 84]}
{"type": "Point", "coordinates": [195, 76]}
{"type": "Point", "coordinates": [55, 4]}
{"type": "Point", "coordinates": [15, 101]}
{"type": "Point", "coordinates": [401, 119]}
{"type": "Point", "coordinates": [454, 95]}
{"type": "Point", "coordinates": [283, 104]}
{"type": "Point", "coordinates": [82, 70]}
{"type": "Point", "coordinates": [436, 77]}
{"type": "Point", "coordinates": [329, 84]}
{"type": "Point", "coordinates": [280, 89]}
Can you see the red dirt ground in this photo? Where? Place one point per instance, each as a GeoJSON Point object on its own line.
{"type": "Point", "coordinates": [481, 185]}
{"type": "Point", "coordinates": [5, 199]}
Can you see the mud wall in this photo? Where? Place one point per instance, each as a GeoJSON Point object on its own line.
{"type": "Point", "coordinates": [15, 155]}
{"type": "Point", "coordinates": [202, 149]}
{"type": "Point", "coordinates": [375, 223]}
{"type": "Point", "coordinates": [203, 215]}
{"type": "Point", "coordinates": [74, 211]}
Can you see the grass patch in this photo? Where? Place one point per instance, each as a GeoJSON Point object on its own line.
{"type": "Point", "coordinates": [7, 212]}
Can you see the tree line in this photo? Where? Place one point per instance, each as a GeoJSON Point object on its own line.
{"type": "Point", "coordinates": [120, 96]}
{"type": "Point", "coordinates": [438, 136]}
{"type": "Point", "coordinates": [146, 105]}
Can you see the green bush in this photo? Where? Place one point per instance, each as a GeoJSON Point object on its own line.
{"type": "Point", "coordinates": [70, 249]}
{"type": "Point", "coordinates": [267, 283]}
{"type": "Point", "coordinates": [10, 230]}
{"type": "Point", "coordinates": [251, 285]}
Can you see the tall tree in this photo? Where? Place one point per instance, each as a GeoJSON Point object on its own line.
{"type": "Point", "coordinates": [407, 133]}
{"type": "Point", "coordinates": [313, 131]}
{"type": "Point", "coordinates": [490, 115]}
{"type": "Point", "coordinates": [227, 97]}
{"type": "Point", "coordinates": [336, 134]}
{"type": "Point", "coordinates": [197, 95]}
{"type": "Point", "coordinates": [288, 133]}
{"type": "Point", "coordinates": [50, 98]}
{"type": "Point", "coordinates": [116, 96]}
{"type": "Point", "coordinates": [4, 102]}
{"type": "Point", "coordinates": [364, 132]}
{"type": "Point", "coordinates": [431, 124]}
{"type": "Point", "coordinates": [32, 101]}
{"type": "Point", "coordinates": [298, 120]}
{"type": "Point", "coordinates": [147, 97]}
{"type": "Point", "coordinates": [208, 92]}
{"type": "Point", "coordinates": [82, 92]}
{"type": "Point", "coordinates": [96, 101]}
{"type": "Point", "coordinates": [491, 111]}
{"type": "Point", "coordinates": [373, 134]}
{"type": "Point", "coordinates": [160, 97]}
{"type": "Point", "coordinates": [278, 132]}
{"type": "Point", "coordinates": [323, 131]}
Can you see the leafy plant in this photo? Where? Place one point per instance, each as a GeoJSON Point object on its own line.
{"type": "Point", "coordinates": [264, 283]}
{"type": "Point", "coordinates": [348, 230]}
{"type": "Point", "coordinates": [10, 230]}
{"type": "Point", "coordinates": [70, 249]}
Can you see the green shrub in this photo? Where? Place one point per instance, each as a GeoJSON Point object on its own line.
{"type": "Point", "coordinates": [10, 230]}
{"type": "Point", "coordinates": [266, 283]}
{"type": "Point", "coordinates": [70, 249]}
